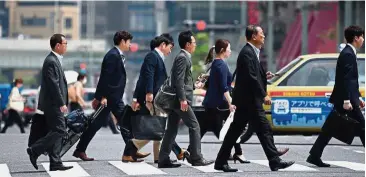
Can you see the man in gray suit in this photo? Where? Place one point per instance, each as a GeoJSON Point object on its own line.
{"type": "Point", "coordinates": [182, 82]}
{"type": "Point", "coordinates": [53, 99]}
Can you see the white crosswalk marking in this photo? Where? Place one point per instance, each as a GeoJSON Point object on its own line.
{"type": "Point", "coordinates": [206, 169]}
{"type": "Point", "coordinates": [140, 168]}
{"type": "Point", "coordinates": [351, 165]}
{"type": "Point", "coordinates": [360, 152]}
{"type": "Point", "coordinates": [4, 171]}
{"type": "Point", "coordinates": [76, 171]}
{"type": "Point", "coordinates": [294, 167]}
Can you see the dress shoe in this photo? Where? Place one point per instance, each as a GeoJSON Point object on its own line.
{"type": "Point", "coordinates": [172, 161]}
{"type": "Point", "coordinates": [225, 168]}
{"type": "Point", "coordinates": [182, 153]}
{"type": "Point", "coordinates": [282, 151]}
{"type": "Point", "coordinates": [316, 161]}
{"type": "Point", "coordinates": [168, 164]}
{"type": "Point", "coordinates": [202, 162]}
{"type": "Point", "coordinates": [33, 158]}
{"type": "Point", "coordinates": [240, 158]}
{"type": "Point", "coordinates": [281, 164]}
{"type": "Point", "coordinates": [82, 156]}
{"type": "Point", "coordinates": [60, 168]}
{"type": "Point", "coordinates": [141, 155]}
{"type": "Point", "coordinates": [130, 159]}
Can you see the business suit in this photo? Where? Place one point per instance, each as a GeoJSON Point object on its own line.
{"type": "Point", "coordinates": [53, 95]}
{"type": "Point", "coordinates": [346, 88]}
{"type": "Point", "coordinates": [111, 85]}
{"type": "Point", "coordinates": [152, 76]}
{"type": "Point", "coordinates": [251, 77]}
{"type": "Point", "coordinates": [182, 82]}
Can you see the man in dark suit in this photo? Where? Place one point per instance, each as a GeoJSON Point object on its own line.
{"type": "Point", "coordinates": [53, 99]}
{"type": "Point", "coordinates": [109, 92]}
{"type": "Point", "coordinates": [250, 92]}
{"type": "Point", "coordinates": [182, 82]}
{"type": "Point", "coordinates": [346, 96]}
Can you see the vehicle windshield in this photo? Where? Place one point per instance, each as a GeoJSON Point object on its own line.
{"type": "Point", "coordinates": [284, 70]}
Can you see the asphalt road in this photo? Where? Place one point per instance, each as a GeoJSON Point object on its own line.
{"type": "Point", "coordinates": [107, 149]}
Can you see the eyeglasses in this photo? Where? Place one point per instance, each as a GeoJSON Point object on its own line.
{"type": "Point", "coordinates": [64, 43]}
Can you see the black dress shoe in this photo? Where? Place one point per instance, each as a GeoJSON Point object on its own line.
{"type": "Point", "coordinates": [225, 168]}
{"type": "Point", "coordinates": [172, 161]}
{"type": "Point", "coordinates": [316, 161]}
{"type": "Point", "coordinates": [60, 168]}
{"type": "Point", "coordinates": [33, 158]}
{"type": "Point", "coordinates": [168, 164]}
{"type": "Point", "coordinates": [202, 162]}
{"type": "Point", "coordinates": [281, 164]}
{"type": "Point", "coordinates": [238, 158]}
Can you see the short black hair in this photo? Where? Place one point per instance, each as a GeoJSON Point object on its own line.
{"type": "Point", "coordinates": [121, 35]}
{"type": "Point", "coordinates": [169, 37]}
{"type": "Point", "coordinates": [81, 76]}
{"type": "Point", "coordinates": [251, 30]}
{"type": "Point", "coordinates": [352, 31]}
{"type": "Point", "coordinates": [162, 39]}
{"type": "Point", "coordinates": [153, 43]}
{"type": "Point", "coordinates": [56, 39]}
{"type": "Point", "coordinates": [184, 38]}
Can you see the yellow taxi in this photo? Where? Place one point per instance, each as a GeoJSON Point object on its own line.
{"type": "Point", "coordinates": [300, 93]}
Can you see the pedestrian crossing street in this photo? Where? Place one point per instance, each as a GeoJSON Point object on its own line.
{"type": "Point", "coordinates": [147, 168]}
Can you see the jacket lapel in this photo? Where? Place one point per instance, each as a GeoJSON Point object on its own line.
{"type": "Point", "coordinates": [59, 65]}
{"type": "Point", "coordinates": [161, 61]}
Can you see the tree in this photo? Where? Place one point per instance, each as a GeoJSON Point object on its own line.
{"type": "Point", "coordinates": [199, 56]}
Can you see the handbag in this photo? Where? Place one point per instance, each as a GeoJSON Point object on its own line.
{"type": "Point", "coordinates": [76, 121]}
{"type": "Point", "coordinates": [148, 127]}
{"type": "Point", "coordinates": [341, 127]}
{"type": "Point", "coordinates": [226, 127]}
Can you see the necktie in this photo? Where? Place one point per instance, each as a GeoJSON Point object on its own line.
{"type": "Point", "coordinates": [123, 58]}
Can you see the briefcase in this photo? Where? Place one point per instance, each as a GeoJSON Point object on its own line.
{"type": "Point", "coordinates": [148, 127]}
{"type": "Point", "coordinates": [341, 127]}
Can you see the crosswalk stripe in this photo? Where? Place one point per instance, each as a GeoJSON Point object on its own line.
{"type": "Point", "coordinates": [361, 152]}
{"type": "Point", "coordinates": [139, 168]}
{"type": "Point", "coordinates": [76, 171]}
{"type": "Point", "coordinates": [351, 165]}
{"type": "Point", "coordinates": [206, 169]}
{"type": "Point", "coordinates": [4, 171]}
{"type": "Point", "coordinates": [294, 167]}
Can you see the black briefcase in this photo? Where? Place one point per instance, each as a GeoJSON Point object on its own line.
{"type": "Point", "coordinates": [341, 127]}
{"type": "Point", "coordinates": [148, 127]}
{"type": "Point", "coordinates": [38, 128]}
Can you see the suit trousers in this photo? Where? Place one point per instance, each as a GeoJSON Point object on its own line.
{"type": "Point", "coordinates": [323, 139]}
{"type": "Point", "coordinates": [51, 143]}
{"type": "Point", "coordinates": [116, 107]}
{"type": "Point", "coordinates": [191, 122]}
{"type": "Point", "coordinates": [262, 127]}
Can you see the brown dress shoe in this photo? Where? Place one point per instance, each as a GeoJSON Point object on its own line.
{"type": "Point", "coordinates": [181, 154]}
{"type": "Point", "coordinates": [282, 151]}
{"type": "Point", "coordinates": [82, 156]}
{"type": "Point", "coordinates": [130, 159]}
{"type": "Point", "coordinates": [141, 155]}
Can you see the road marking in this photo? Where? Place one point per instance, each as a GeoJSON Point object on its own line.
{"type": "Point", "coordinates": [206, 169]}
{"type": "Point", "coordinates": [351, 165]}
{"type": "Point", "coordinates": [76, 171]}
{"type": "Point", "coordinates": [294, 167]}
{"type": "Point", "coordinates": [346, 148]}
{"type": "Point", "coordinates": [4, 171]}
{"type": "Point", "coordinates": [361, 152]}
{"type": "Point", "coordinates": [138, 168]}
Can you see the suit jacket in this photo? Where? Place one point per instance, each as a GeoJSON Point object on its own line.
{"type": "Point", "coordinates": [112, 79]}
{"type": "Point", "coordinates": [181, 77]}
{"type": "Point", "coordinates": [53, 93]}
{"type": "Point", "coordinates": [346, 80]}
{"type": "Point", "coordinates": [251, 82]}
{"type": "Point", "coordinates": [152, 76]}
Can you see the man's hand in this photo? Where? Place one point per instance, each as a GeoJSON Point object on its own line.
{"type": "Point", "coordinates": [103, 101]}
{"type": "Point", "coordinates": [63, 109]}
{"type": "Point", "coordinates": [95, 103]}
{"type": "Point", "coordinates": [347, 106]}
{"type": "Point", "coordinates": [267, 100]}
{"type": "Point", "coordinates": [149, 97]}
{"type": "Point", "coordinates": [270, 75]}
{"type": "Point", "coordinates": [362, 104]}
{"type": "Point", "coordinates": [183, 106]}
{"type": "Point", "coordinates": [149, 106]}
{"type": "Point", "coordinates": [135, 105]}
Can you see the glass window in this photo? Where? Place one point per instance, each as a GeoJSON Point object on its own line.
{"type": "Point", "coordinates": [284, 70]}
{"type": "Point", "coordinates": [68, 23]}
{"type": "Point", "coordinates": [313, 73]}
{"type": "Point", "coordinates": [142, 21]}
{"type": "Point", "coordinates": [33, 21]}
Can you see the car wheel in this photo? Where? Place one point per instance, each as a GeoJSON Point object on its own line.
{"type": "Point", "coordinates": [247, 134]}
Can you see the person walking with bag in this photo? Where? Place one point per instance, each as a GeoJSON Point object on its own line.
{"type": "Point", "coordinates": [15, 106]}
{"type": "Point", "coordinates": [346, 96]}
{"type": "Point", "coordinates": [217, 100]}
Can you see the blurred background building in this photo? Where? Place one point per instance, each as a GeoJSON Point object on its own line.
{"type": "Point", "coordinates": [292, 28]}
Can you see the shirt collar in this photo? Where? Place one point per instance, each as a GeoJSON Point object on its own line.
{"type": "Point", "coordinates": [189, 54]}
{"type": "Point", "coordinates": [256, 50]}
{"type": "Point", "coordinates": [353, 48]}
{"type": "Point", "coordinates": [160, 53]}
{"type": "Point", "coordinates": [119, 50]}
{"type": "Point", "coordinates": [59, 57]}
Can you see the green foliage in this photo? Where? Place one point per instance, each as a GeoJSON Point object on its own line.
{"type": "Point", "coordinates": [200, 54]}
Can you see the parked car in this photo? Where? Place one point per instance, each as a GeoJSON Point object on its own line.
{"type": "Point", "coordinates": [300, 93]}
